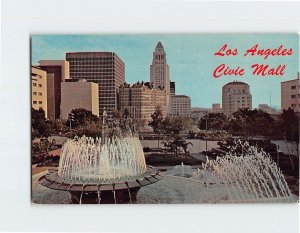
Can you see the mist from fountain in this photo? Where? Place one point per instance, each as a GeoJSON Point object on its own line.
{"type": "Point", "coordinates": [248, 177]}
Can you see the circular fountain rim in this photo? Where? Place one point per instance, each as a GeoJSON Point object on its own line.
{"type": "Point", "coordinates": [53, 181]}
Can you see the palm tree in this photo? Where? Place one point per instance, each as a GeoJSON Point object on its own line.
{"type": "Point", "coordinates": [184, 146]}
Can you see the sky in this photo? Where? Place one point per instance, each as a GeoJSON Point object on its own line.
{"type": "Point", "coordinates": [190, 58]}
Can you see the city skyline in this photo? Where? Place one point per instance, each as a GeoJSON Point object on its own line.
{"type": "Point", "coordinates": [190, 58]}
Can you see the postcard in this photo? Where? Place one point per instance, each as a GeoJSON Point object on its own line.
{"type": "Point", "coordinates": [165, 118]}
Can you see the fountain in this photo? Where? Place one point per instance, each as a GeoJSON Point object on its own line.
{"type": "Point", "coordinates": [182, 170]}
{"type": "Point", "coordinates": [250, 177]}
{"type": "Point", "coordinates": [101, 170]}
{"type": "Point", "coordinates": [109, 171]}
{"type": "Point", "coordinates": [113, 171]}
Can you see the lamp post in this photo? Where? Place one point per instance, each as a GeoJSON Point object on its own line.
{"type": "Point", "coordinates": [206, 118]}
{"type": "Point", "coordinates": [104, 115]}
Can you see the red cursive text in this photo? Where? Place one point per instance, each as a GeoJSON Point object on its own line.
{"type": "Point", "coordinates": [269, 52]}
{"type": "Point", "coordinates": [224, 51]}
{"type": "Point", "coordinates": [226, 70]}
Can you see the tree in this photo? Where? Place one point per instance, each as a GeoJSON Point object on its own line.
{"type": "Point", "coordinates": [92, 129]}
{"type": "Point", "coordinates": [58, 126]}
{"type": "Point", "coordinates": [215, 121]}
{"type": "Point", "coordinates": [172, 126]}
{"type": "Point", "coordinates": [251, 123]}
{"type": "Point", "coordinates": [183, 144]}
{"type": "Point", "coordinates": [139, 124]}
{"type": "Point", "coordinates": [40, 150]}
{"type": "Point", "coordinates": [288, 128]}
{"type": "Point", "coordinates": [156, 123]}
{"type": "Point", "coordinates": [40, 127]}
{"type": "Point", "coordinates": [176, 143]}
{"type": "Point", "coordinates": [82, 117]}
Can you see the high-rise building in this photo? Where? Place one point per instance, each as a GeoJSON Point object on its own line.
{"type": "Point", "coordinates": [290, 94]}
{"type": "Point", "coordinates": [181, 105]}
{"type": "Point", "coordinates": [39, 89]}
{"type": "Point", "coordinates": [172, 88]}
{"type": "Point", "coordinates": [81, 94]}
{"type": "Point", "coordinates": [57, 72]}
{"type": "Point", "coordinates": [141, 100]}
{"type": "Point", "coordinates": [159, 72]}
{"type": "Point", "coordinates": [103, 68]}
{"type": "Point", "coordinates": [235, 95]}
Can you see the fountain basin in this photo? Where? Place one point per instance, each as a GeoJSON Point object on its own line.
{"type": "Point", "coordinates": [97, 192]}
{"type": "Point", "coordinates": [183, 170]}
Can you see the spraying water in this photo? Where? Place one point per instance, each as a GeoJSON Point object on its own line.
{"type": "Point", "coordinates": [247, 177]}
{"type": "Point", "coordinates": [95, 160]}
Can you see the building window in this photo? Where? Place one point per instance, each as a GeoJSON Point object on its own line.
{"type": "Point", "coordinates": [34, 102]}
{"type": "Point", "coordinates": [34, 84]}
{"type": "Point", "coordinates": [34, 93]}
{"type": "Point", "coordinates": [293, 87]}
{"type": "Point", "coordinates": [40, 102]}
{"type": "Point", "coordinates": [40, 85]}
{"type": "Point", "coordinates": [40, 93]}
{"type": "Point", "coordinates": [293, 96]}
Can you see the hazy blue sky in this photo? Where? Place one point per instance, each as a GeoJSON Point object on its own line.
{"type": "Point", "coordinates": [190, 57]}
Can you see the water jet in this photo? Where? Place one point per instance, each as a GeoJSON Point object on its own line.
{"type": "Point", "coordinates": [110, 170]}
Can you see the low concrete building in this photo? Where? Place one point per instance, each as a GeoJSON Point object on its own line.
{"type": "Point", "coordinates": [81, 94]}
{"type": "Point", "coordinates": [198, 113]}
{"type": "Point", "coordinates": [266, 108]}
{"type": "Point", "coordinates": [39, 89]}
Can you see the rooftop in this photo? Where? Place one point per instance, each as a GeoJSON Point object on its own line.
{"type": "Point", "coordinates": [182, 96]}
{"type": "Point", "coordinates": [140, 84]}
{"type": "Point", "coordinates": [292, 80]}
{"type": "Point", "coordinates": [159, 45]}
{"type": "Point", "coordinates": [236, 83]}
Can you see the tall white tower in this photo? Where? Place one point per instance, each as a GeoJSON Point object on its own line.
{"type": "Point", "coordinates": [159, 72]}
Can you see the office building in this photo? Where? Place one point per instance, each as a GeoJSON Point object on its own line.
{"type": "Point", "coordinates": [290, 94]}
{"type": "Point", "coordinates": [104, 68]}
{"type": "Point", "coordinates": [159, 72]}
{"type": "Point", "coordinates": [235, 95]}
{"type": "Point", "coordinates": [81, 94]}
{"type": "Point", "coordinates": [172, 88]}
{"type": "Point", "coordinates": [57, 72]}
{"type": "Point", "coordinates": [39, 89]}
{"type": "Point", "coordinates": [141, 100]}
{"type": "Point", "coordinates": [180, 105]}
